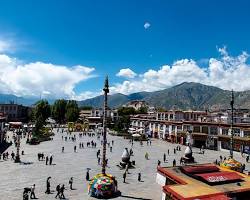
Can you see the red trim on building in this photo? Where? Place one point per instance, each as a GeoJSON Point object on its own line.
{"type": "Point", "coordinates": [200, 169]}
{"type": "Point", "coordinates": [166, 173]}
{"type": "Point", "coordinates": [217, 177]}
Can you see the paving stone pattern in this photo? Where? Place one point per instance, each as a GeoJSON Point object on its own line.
{"type": "Point", "coordinates": [14, 177]}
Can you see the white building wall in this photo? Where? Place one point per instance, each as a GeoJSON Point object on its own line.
{"type": "Point", "coordinates": [160, 179]}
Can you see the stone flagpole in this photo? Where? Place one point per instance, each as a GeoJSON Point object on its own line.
{"type": "Point", "coordinates": [106, 91]}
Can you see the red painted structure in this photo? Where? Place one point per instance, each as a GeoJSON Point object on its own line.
{"type": "Point", "coordinates": [204, 182]}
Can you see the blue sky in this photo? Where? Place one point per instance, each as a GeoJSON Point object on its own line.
{"type": "Point", "coordinates": [107, 36]}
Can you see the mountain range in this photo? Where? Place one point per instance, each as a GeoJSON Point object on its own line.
{"type": "Point", "coordinates": [187, 95]}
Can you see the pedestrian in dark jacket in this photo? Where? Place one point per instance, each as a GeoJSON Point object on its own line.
{"type": "Point", "coordinates": [58, 189]}
{"type": "Point", "coordinates": [71, 183]}
{"type": "Point", "coordinates": [48, 185]}
{"type": "Point", "coordinates": [139, 177]}
{"type": "Point", "coordinates": [87, 175]}
{"type": "Point", "coordinates": [62, 192]}
{"type": "Point", "coordinates": [124, 177]}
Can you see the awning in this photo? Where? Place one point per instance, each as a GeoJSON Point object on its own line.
{"type": "Point", "coordinates": [217, 177]}
{"type": "Point", "coordinates": [240, 140]}
{"type": "Point", "coordinates": [16, 124]}
{"type": "Point", "coordinates": [199, 136]}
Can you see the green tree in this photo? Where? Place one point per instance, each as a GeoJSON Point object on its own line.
{"type": "Point", "coordinates": [142, 110]}
{"type": "Point", "coordinates": [123, 122]}
{"type": "Point", "coordinates": [72, 111]}
{"type": "Point", "coordinates": [85, 108]}
{"type": "Point", "coordinates": [31, 115]}
{"type": "Point", "coordinates": [126, 111]}
{"type": "Point", "coordinates": [59, 110]}
{"type": "Point", "coordinates": [161, 109]}
{"type": "Point", "coordinates": [42, 112]}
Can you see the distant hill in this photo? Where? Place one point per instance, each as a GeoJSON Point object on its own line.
{"type": "Point", "coordinates": [27, 101]}
{"type": "Point", "coordinates": [114, 100]}
{"type": "Point", "coordinates": [184, 96]}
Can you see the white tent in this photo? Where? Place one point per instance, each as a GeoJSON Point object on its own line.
{"type": "Point", "coordinates": [136, 135]}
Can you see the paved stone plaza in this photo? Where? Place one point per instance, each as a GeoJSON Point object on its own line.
{"type": "Point", "coordinates": [14, 177]}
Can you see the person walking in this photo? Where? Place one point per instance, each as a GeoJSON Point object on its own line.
{"type": "Point", "coordinates": [48, 185]}
{"type": "Point", "coordinates": [220, 158]}
{"type": "Point", "coordinates": [110, 148]}
{"type": "Point", "coordinates": [139, 177]}
{"type": "Point", "coordinates": [174, 151]}
{"type": "Point", "coordinates": [58, 188]}
{"type": "Point", "coordinates": [32, 192]}
{"type": "Point", "coordinates": [164, 157]}
{"type": "Point", "coordinates": [75, 149]}
{"type": "Point", "coordinates": [87, 175]}
{"type": "Point", "coordinates": [47, 160]}
{"type": "Point", "coordinates": [62, 192]}
{"type": "Point", "coordinates": [50, 160]}
{"type": "Point", "coordinates": [12, 156]}
{"type": "Point", "coordinates": [124, 177]}
{"type": "Point", "coordinates": [168, 151]}
{"type": "Point", "coordinates": [159, 163]}
{"type": "Point", "coordinates": [62, 149]}
{"type": "Point", "coordinates": [71, 183]}
{"type": "Point", "coordinates": [174, 163]}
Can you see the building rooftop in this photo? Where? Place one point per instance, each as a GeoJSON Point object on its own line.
{"type": "Point", "coordinates": [203, 184]}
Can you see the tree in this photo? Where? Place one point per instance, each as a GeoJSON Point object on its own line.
{"type": "Point", "coordinates": [42, 112]}
{"type": "Point", "coordinates": [123, 122]}
{"type": "Point", "coordinates": [59, 110]}
{"type": "Point", "coordinates": [161, 109]}
{"type": "Point", "coordinates": [142, 110]}
{"type": "Point", "coordinates": [31, 115]}
{"type": "Point", "coordinates": [126, 111]}
{"type": "Point", "coordinates": [85, 108]}
{"type": "Point", "coordinates": [72, 111]}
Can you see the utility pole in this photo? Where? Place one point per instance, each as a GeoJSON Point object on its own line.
{"type": "Point", "coordinates": [232, 123]}
{"type": "Point", "coordinates": [106, 91]}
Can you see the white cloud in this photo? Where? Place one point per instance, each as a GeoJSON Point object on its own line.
{"type": "Point", "coordinates": [227, 72]}
{"type": "Point", "coordinates": [5, 46]}
{"type": "Point", "coordinates": [39, 78]}
{"type": "Point", "coordinates": [86, 95]}
{"type": "Point", "coordinates": [147, 25]}
{"type": "Point", "coordinates": [126, 72]}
